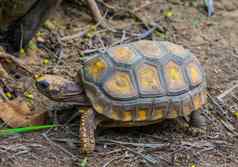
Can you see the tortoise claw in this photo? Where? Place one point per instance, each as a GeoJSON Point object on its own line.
{"type": "Point", "coordinates": [194, 131]}
{"type": "Point", "coordinates": [197, 124]}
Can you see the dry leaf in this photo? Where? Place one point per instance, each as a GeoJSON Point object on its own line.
{"type": "Point", "coordinates": [16, 113]}
{"type": "Point", "coordinates": [3, 73]}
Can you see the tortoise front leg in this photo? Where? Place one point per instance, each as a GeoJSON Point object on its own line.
{"type": "Point", "coordinates": [87, 129]}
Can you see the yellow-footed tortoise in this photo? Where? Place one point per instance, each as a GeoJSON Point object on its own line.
{"type": "Point", "coordinates": [134, 84]}
{"type": "Point", "coordinates": [23, 18]}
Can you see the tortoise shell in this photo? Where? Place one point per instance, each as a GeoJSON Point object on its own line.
{"type": "Point", "coordinates": [144, 81]}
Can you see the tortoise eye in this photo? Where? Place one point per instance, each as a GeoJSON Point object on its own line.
{"type": "Point", "coordinates": [43, 84]}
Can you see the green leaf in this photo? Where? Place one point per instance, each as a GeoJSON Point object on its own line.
{"type": "Point", "coordinates": [22, 53]}
{"type": "Point", "coordinates": [49, 25]}
{"type": "Point", "coordinates": [84, 162]}
{"type": "Point", "coordinates": [32, 45]}
{"type": "Point", "coordinates": [11, 131]}
{"type": "Point", "coordinates": [46, 61]}
{"type": "Point", "coordinates": [168, 13]}
{"type": "Point", "coordinates": [236, 114]}
{"type": "Point", "coordinates": [28, 95]}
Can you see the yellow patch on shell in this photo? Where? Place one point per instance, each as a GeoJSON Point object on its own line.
{"type": "Point", "coordinates": [197, 101]}
{"type": "Point", "coordinates": [148, 48]}
{"type": "Point", "coordinates": [141, 114]}
{"type": "Point", "coordinates": [148, 78]}
{"type": "Point", "coordinates": [194, 73]}
{"type": "Point", "coordinates": [123, 54]}
{"type": "Point", "coordinates": [126, 116]}
{"type": "Point", "coordinates": [158, 114]}
{"type": "Point", "coordinates": [172, 113]}
{"type": "Point", "coordinates": [174, 76]}
{"type": "Point", "coordinates": [120, 85]}
{"type": "Point", "coordinates": [96, 68]}
{"type": "Point", "coordinates": [114, 115]}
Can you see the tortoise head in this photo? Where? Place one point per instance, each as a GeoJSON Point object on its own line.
{"type": "Point", "coordinates": [60, 89]}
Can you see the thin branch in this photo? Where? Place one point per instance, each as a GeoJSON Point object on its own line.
{"type": "Point", "coordinates": [95, 10]}
{"type": "Point", "coordinates": [146, 145]}
{"type": "Point", "coordinates": [60, 147]}
{"type": "Point", "coordinates": [227, 92]}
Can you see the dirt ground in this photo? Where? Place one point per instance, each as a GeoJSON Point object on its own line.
{"type": "Point", "coordinates": [71, 34]}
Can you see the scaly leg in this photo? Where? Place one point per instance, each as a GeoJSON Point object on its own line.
{"type": "Point", "coordinates": [87, 128]}
{"type": "Point", "coordinates": [196, 120]}
{"type": "Point", "coordinates": [194, 124]}
{"type": "Point", "coordinates": [197, 123]}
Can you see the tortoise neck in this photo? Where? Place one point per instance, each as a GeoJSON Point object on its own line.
{"type": "Point", "coordinates": [79, 99]}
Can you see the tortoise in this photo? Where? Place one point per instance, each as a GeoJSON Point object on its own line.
{"type": "Point", "coordinates": [22, 18]}
{"type": "Point", "coordinates": [135, 84]}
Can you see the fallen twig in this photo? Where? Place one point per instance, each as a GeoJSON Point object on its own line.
{"type": "Point", "coordinates": [59, 146]}
{"type": "Point", "coordinates": [132, 13]}
{"type": "Point", "coordinates": [84, 32]}
{"type": "Point", "coordinates": [114, 159]}
{"type": "Point", "coordinates": [111, 152]}
{"type": "Point", "coordinates": [221, 96]}
{"type": "Point", "coordinates": [148, 3]}
{"type": "Point", "coordinates": [101, 21]}
{"type": "Point", "coordinates": [123, 39]}
{"type": "Point", "coordinates": [95, 10]}
{"type": "Point", "coordinates": [151, 161]}
{"type": "Point", "coordinates": [10, 59]}
{"type": "Point", "coordinates": [145, 145]}
{"type": "Point", "coordinates": [223, 114]}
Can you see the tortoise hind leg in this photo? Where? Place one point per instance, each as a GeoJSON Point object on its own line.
{"type": "Point", "coordinates": [196, 120]}
{"type": "Point", "coordinates": [197, 124]}
{"type": "Point", "coordinates": [194, 124]}
{"type": "Point", "coordinates": [87, 129]}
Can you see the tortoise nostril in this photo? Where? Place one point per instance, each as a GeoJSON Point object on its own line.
{"type": "Point", "coordinates": [43, 84]}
